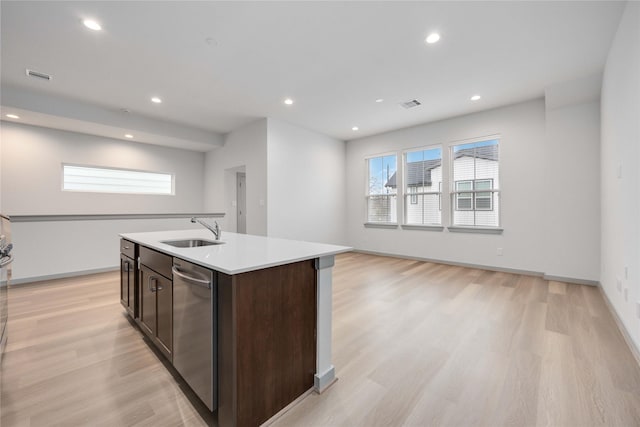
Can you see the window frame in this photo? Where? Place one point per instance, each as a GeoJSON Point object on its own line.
{"type": "Point", "coordinates": [63, 183]}
{"type": "Point", "coordinates": [408, 194]}
{"type": "Point", "coordinates": [495, 192]}
{"type": "Point", "coordinates": [368, 194]}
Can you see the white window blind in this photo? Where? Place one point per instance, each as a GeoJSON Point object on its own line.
{"type": "Point", "coordinates": [475, 197]}
{"type": "Point", "coordinates": [104, 180]}
{"type": "Point", "coordinates": [423, 184]}
{"type": "Point", "coordinates": [381, 193]}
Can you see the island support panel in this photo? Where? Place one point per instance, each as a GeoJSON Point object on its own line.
{"type": "Point", "coordinates": [267, 341]}
{"type": "Point", "coordinates": [325, 372]}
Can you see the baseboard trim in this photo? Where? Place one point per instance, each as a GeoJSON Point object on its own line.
{"type": "Point", "coordinates": [484, 267]}
{"type": "Point", "coordinates": [623, 330]}
{"type": "Point", "coordinates": [324, 381]}
{"type": "Point", "coordinates": [36, 279]}
{"type": "Point", "coordinates": [458, 264]}
{"type": "Point", "coordinates": [571, 280]}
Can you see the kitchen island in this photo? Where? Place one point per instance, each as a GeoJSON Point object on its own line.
{"type": "Point", "coordinates": [271, 334]}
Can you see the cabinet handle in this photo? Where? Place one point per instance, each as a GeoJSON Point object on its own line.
{"type": "Point", "coordinates": [126, 266]}
{"type": "Point", "coordinates": [153, 278]}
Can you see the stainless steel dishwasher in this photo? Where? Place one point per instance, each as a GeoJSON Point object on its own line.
{"type": "Point", "coordinates": [195, 330]}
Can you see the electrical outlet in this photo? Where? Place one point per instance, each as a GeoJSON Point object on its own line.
{"type": "Point", "coordinates": [499, 251]}
{"type": "Point", "coordinates": [619, 284]}
{"type": "Point", "coordinates": [626, 273]}
{"type": "Point", "coordinates": [638, 309]}
{"type": "Point", "coordinates": [620, 171]}
{"type": "Point", "coordinates": [626, 294]}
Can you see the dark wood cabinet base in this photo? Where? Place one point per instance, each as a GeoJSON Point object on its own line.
{"type": "Point", "coordinates": [267, 343]}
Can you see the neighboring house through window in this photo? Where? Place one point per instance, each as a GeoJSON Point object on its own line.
{"type": "Point", "coordinates": [422, 186]}
{"type": "Point", "coordinates": [472, 182]}
{"type": "Point", "coordinates": [475, 199]}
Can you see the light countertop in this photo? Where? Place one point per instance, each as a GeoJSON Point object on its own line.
{"type": "Point", "coordinates": [240, 252]}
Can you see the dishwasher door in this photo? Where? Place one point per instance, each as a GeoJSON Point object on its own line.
{"type": "Point", "coordinates": [195, 330]}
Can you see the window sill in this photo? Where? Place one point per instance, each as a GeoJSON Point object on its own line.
{"type": "Point", "coordinates": [422, 227]}
{"type": "Point", "coordinates": [480, 230]}
{"type": "Point", "coordinates": [380, 225]}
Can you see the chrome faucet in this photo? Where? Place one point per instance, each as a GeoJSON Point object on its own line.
{"type": "Point", "coordinates": [214, 229]}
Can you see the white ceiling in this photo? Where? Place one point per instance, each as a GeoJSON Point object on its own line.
{"type": "Point", "coordinates": [220, 65]}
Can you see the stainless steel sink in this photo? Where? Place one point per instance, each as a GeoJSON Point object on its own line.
{"type": "Point", "coordinates": [192, 243]}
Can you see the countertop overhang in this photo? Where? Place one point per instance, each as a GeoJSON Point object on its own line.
{"type": "Point", "coordinates": [239, 253]}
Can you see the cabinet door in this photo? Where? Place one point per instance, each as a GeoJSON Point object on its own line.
{"type": "Point", "coordinates": [124, 280]}
{"type": "Point", "coordinates": [164, 295]}
{"type": "Point", "coordinates": [147, 286]}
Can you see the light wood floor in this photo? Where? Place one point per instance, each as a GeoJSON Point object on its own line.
{"type": "Point", "coordinates": [414, 344]}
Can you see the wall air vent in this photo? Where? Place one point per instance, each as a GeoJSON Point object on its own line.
{"type": "Point", "coordinates": [38, 74]}
{"type": "Point", "coordinates": [410, 104]}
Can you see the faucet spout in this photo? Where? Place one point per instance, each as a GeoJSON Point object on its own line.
{"type": "Point", "coordinates": [215, 229]}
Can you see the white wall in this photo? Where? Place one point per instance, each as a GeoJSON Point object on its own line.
{"type": "Point", "coordinates": [1, 211]}
{"type": "Point", "coordinates": [525, 201]}
{"type": "Point", "coordinates": [620, 179]}
{"type": "Point", "coordinates": [31, 185]}
{"type": "Point", "coordinates": [306, 180]}
{"type": "Point", "coordinates": [32, 160]}
{"type": "Point", "coordinates": [50, 249]}
{"type": "Point", "coordinates": [244, 148]}
{"type": "Point", "coordinates": [572, 178]}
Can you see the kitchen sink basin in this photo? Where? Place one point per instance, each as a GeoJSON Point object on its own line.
{"type": "Point", "coordinates": [192, 243]}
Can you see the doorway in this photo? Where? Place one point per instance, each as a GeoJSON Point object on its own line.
{"type": "Point", "coordinates": [241, 198]}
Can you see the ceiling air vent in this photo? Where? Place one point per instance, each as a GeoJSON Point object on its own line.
{"type": "Point", "coordinates": [38, 74]}
{"type": "Point", "coordinates": [410, 104]}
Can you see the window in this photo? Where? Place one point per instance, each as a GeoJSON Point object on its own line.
{"type": "Point", "coordinates": [103, 180]}
{"type": "Point", "coordinates": [423, 186]}
{"type": "Point", "coordinates": [463, 200]}
{"type": "Point", "coordinates": [414, 197]}
{"type": "Point", "coordinates": [381, 189]}
{"type": "Point", "coordinates": [483, 200]}
{"type": "Point", "coordinates": [475, 199]}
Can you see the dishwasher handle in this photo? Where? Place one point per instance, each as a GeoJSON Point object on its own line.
{"type": "Point", "coordinates": [194, 280]}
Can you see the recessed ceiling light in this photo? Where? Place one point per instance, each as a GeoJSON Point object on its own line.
{"type": "Point", "coordinates": [475, 97]}
{"type": "Point", "coordinates": [13, 116]}
{"type": "Point", "coordinates": [156, 100]}
{"type": "Point", "coordinates": [128, 135]}
{"type": "Point", "coordinates": [92, 25]}
{"type": "Point", "coordinates": [288, 101]}
{"type": "Point", "coordinates": [379, 100]}
{"type": "Point", "coordinates": [355, 128]}
{"type": "Point", "coordinates": [433, 38]}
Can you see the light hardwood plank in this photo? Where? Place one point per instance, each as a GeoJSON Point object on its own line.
{"type": "Point", "coordinates": [415, 343]}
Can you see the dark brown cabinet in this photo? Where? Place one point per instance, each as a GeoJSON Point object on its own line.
{"type": "Point", "coordinates": [156, 299]}
{"type": "Point", "coordinates": [128, 276]}
{"type": "Point", "coordinates": [262, 341]}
